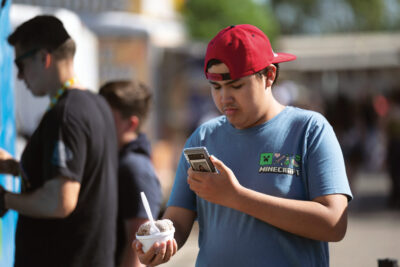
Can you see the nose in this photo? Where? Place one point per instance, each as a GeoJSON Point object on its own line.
{"type": "Point", "coordinates": [19, 67]}
{"type": "Point", "coordinates": [226, 96]}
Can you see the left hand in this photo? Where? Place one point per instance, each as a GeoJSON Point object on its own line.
{"type": "Point", "coordinates": [219, 188]}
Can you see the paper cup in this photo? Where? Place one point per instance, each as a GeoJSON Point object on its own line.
{"type": "Point", "coordinates": [148, 240]}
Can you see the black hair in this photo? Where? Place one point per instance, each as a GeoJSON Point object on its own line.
{"type": "Point", "coordinates": [44, 32]}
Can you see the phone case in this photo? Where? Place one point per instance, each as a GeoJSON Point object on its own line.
{"type": "Point", "coordinates": [199, 159]}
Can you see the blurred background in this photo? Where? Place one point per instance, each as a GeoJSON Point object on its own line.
{"type": "Point", "coordinates": [348, 68]}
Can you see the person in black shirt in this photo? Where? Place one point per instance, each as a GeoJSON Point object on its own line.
{"type": "Point", "coordinates": [130, 104]}
{"type": "Point", "coordinates": [67, 207]}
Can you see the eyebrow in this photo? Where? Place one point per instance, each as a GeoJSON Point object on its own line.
{"type": "Point", "coordinates": [228, 83]}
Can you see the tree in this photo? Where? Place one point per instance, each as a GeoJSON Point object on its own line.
{"type": "Point", "coordinates": [205, 18]}
{"type": "Point", "coordinates": [327, 16]}
{"type": "Point", "coordinates": [369, 15]}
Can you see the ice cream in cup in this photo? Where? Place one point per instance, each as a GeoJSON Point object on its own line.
{"type": "Point", "coordinates": [147, 239]}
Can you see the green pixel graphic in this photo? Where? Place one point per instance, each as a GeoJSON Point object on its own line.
{"type": "Point", "coordinates": [266, 159]}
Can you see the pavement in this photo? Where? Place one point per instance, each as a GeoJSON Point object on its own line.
{"type": "Point", "coordinates": [373, 230]}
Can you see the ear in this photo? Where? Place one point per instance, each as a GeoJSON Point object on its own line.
{"type": "Point", "coordinates": [48, 60]}
{"type": "Point", "coordinates": [134, 123]}
{"type": "Point", "coordinates": [271, 74]}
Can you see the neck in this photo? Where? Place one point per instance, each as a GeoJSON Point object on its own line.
{"type": "Point", "coordinates": [63, 73]}
{"type": "Point", "coordinates": [127, 138]}
{"type": "Point", "coordinates": [273, 107]}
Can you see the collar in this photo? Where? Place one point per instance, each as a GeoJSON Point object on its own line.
{"type": "Point", "coordinates": [60, 92]}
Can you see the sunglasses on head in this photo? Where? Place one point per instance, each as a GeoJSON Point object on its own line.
{"type": "Point", "coordinates": [18, 60]}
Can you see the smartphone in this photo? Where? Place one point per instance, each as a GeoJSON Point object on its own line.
{"type": "Point", "coordinates": [199, 159]}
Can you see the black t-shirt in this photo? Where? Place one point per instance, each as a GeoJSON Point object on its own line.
{"type": "Point", "coordinates": [135, 174]}
{"type": "Point", "coordinates": [75, 139]}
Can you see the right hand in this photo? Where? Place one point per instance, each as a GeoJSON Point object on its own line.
{"type": "Point", "coordinates": [159, 253]}
{"type": "Point", "coordinates": [220, 188]}
{"type": "Point", "coordinates": [8, 165]}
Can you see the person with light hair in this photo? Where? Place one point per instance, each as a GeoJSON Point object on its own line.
{"type": "Point", "coordinates": [68, 204]}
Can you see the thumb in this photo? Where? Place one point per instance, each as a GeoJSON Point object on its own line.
{"type": "Point", "coordinates": [221, 167]}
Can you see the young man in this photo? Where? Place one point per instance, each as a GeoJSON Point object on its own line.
{"type": "Point", "coordinates": [68, 204]}
{"type": "Point", "coordinates": [130, 103]}
{"type": "Point", "coordinates": [281, 190]}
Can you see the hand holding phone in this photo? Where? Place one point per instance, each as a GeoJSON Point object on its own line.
{"type": "Point", "coordinates": [199, 159]}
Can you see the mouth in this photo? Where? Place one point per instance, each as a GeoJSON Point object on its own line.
{"type": "Point", "coordinates": [228, 111]}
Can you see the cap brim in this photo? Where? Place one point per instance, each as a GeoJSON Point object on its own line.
{"type": "Point", "coordinates": [283, 57]}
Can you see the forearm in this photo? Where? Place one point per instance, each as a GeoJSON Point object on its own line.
{"type": "Point", "coordinates": [32, 204]}
{"type": "Point", "coordinates": [181, 234]}
{"type": "Point", "coordinates": [57, 198]}
{"type": "Point", "coordinates": [317, 220]}
{"type": "Point", "coordinates": [183, 222]}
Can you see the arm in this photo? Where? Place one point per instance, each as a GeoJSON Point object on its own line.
{"type": "Point", "coordinates": [57, 198]}
{"type": "Point", "coordinates": [183, 220]}
{"type": "Point", "coordinates": [324, 218]}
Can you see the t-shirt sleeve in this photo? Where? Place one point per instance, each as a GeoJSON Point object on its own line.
{"type": "Point", "coordinates": [181, 194]}
{"type": "Point", "coordinates": [68, 150]}
{"type": "Point", "coordinates": [135, 176]}
{"type": "Point", "coordinates": [326, 173]}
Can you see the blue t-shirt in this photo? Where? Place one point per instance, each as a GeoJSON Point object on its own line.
{"type": "Point", "coordinates": [295, 155]}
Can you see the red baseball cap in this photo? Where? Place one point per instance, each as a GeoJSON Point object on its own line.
{"type": "Point", "coordinates": [244, 49]}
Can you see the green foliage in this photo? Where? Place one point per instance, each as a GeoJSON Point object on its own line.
{"type": "Point", "coordinates": [205, 18]}
{"type": "Point", "coordinates": [369, 14]}
{"type": "Point", "coordinates": [326, 16]}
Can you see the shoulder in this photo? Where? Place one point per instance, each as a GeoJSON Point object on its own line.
{"type": "Point", "coordinates": [134, 163]}
{"type": "Point", "coordinates": [79, 101]}
{"type": "Point", "coordinates": [130, 157]}
{"type": "Point", "coordinates": [137, 169]}
{"type": "Point", "coordinates": [309, 118]}
{"type": "Point", "coordinates": [304, 114]}
{"type": "Point", "coordinates": [210, 127]}
{"type": "Point", "coordinates": [82, 105]}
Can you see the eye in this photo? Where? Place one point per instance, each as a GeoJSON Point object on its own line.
{"type": "Point", "coordinates": [237, 86]}
{"type": "Point", "coordinates": [215, 86]}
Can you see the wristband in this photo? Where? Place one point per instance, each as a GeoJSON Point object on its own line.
{"type": "Point", "coordinates": [15, 169]}
{"type": "Point", "coordinates": [3, 209]}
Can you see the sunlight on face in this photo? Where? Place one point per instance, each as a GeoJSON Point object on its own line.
{"type": "Point", "coordinates": [242, 101]}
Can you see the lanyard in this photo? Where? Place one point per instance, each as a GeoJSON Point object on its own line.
{"type": "Point", "coordinates": [60, 92]}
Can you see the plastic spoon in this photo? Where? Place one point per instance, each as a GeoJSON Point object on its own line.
{"type": "Point", "coordinates": [153, 227]}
